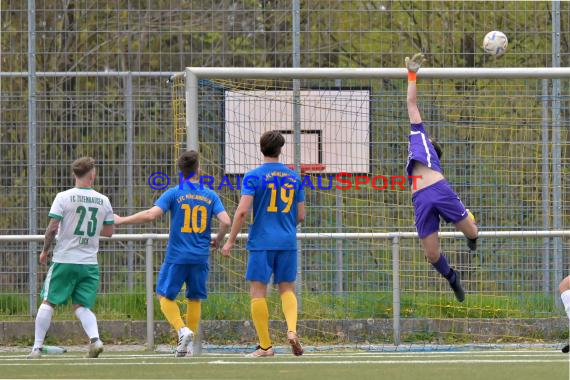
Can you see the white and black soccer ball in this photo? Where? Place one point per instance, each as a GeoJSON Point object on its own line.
{"type": "Point", "coordinates": [495, 43]}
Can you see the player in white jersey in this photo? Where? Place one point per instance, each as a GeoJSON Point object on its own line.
{"type": "Point", "coordinates": [78, 216]}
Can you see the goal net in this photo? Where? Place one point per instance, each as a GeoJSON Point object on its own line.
{"type": "Point", "coordinates": [496, 138]}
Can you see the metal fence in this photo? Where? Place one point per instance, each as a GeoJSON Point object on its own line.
{"type": "Point", "coordinates": [122, 119]}
{"type": "Point", "coordinates": [77, 79]}
{"type": "Point", "coordinates": [170, 35]}
{"type": "Point", "coordinates": [125, 121]}
{"type": "Point", "coordinates": [401, 277]}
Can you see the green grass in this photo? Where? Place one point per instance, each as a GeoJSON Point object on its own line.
{"type": "Point", "coordinates": [441, 366]}
{"type": "Point", "coordinates": [235, 306]}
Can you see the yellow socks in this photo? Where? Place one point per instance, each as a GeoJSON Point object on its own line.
{"type": "Point", "coordinates": [171, 312]}
{"type": "Point", "coordinates": [289, 304]}
{"type": "Point", "coordinates": [260, 316]}
{"type": "Point", "coordinates": [193, 312]}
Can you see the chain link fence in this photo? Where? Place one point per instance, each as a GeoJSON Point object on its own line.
{"type": "Point", "coordinates": [125, 122]}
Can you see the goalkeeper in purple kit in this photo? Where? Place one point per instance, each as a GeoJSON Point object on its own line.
{"type": "Point", "coordinates": [433, 196]}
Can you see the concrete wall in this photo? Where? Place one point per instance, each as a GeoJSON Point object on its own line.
{"type": "Point", "coordinates": [315, 331]}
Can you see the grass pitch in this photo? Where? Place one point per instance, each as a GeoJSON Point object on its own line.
{"type": "Point", "coordinates": [484, 365]}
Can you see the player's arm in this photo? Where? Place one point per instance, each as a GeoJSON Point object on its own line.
{"type": "Point", "coordinates": [225, 224]}
{"type": "Point", "coordinates": [145, 216]}
{"type": "Point", "coordinates": [109, 220]}
{"type": "Point", "coordinates": [413, 65]}
{"type": "Point", "coordinates": [241, 213]}
{"type": "Point", "coordinates": [49, 237]}
{"type": "Point", "coordinates": [413, 111]}
{"type": "Point", "coordinates": [107, 230]}
{"type": "Point", "coordinates": [300, 212]}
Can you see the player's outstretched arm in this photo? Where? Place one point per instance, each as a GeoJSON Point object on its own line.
{"type": "Point", "coordinates": [241, 213]}
{"type": "Point", "coordinates": [225, 224]}
{"type": "Point", "coordinates": [49, 237]}
{"type": "Point", "coordinates": [140, 217]}
{"type": "Point", "coordinates": [413, 65]}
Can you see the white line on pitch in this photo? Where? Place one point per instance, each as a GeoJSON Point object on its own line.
{"type": "Point", "coordinates": [311, 356]}
{"type": "Point", "coordinates": [449, 361]}
{"type": "Point", "coordinates": [328, 362]}
{"type": "Point", "coordinates": [82, 356]}
{"type": "Point", "coordinates": [79, 354]}
{"type": "Point", "coordinates": [241, 356]}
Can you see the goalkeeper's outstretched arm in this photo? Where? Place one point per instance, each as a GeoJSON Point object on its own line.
{"type": "Point", "coordinates": [413, 65]}
{"type": "Point", "coordinates": [413, 111]}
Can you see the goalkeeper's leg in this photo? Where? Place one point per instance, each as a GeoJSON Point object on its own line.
{"type": "Point", "coordinates": [439, 262]}
{"type": "Point", "coordinates": [565, 295]}
{"type": "Point", "coordinates": [469, 229]}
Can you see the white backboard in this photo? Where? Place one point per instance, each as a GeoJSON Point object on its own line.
{"type": "Point", "coordinates": [335, 128]}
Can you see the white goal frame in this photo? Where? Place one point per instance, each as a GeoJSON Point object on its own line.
{"type": "Point", "coordinates": [194, 74]}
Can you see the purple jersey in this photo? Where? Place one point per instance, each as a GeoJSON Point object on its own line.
{"type": "Point", "coordinates": [421, 149]}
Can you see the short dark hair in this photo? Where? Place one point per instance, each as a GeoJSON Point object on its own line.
{"type": "Point", "coordinates": [82, 166]}
{"type": "Point", "coordinates": [188, 162]}
{"type": "Point", "coordinates": [271, 143]}
{"type": "Point", "coordinates": [437, 147]}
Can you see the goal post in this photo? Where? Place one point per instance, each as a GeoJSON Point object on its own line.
{"type": "Point", "coordinates": [495, 125]}
{"type": "Point", "coordinates": [191, 76]}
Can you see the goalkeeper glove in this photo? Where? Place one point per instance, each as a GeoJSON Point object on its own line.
{"type": "Point", "coordinates": [415, 62]}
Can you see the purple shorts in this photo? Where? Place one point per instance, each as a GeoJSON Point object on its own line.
{"type": "Point", "coordinates": [433, 201]}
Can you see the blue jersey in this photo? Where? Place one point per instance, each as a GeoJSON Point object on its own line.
{"type": "Point", "coordinates": [421, 149]}
{"type": "Point", "coordinates": [191, 212]}
{"type": "Point", "coordinates": [276, 191]}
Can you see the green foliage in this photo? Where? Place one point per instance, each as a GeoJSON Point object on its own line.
{"type": "Point", "coordinates": [235, 306]}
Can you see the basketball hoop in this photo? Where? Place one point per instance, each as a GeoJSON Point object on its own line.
{"type": "Point", "coordinates": [309, 168]}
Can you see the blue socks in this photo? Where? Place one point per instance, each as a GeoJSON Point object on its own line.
{"type": "Point", "coordinates": [443, 268]}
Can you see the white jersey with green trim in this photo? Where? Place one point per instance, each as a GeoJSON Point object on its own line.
{"type": "Point", "coordinates": [82, 213]}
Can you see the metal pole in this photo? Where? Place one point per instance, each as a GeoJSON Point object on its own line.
{"type": "Point", "coordinates": [396, 289]}
{"type": "Point", "coordinates": [378, 73]}
{"type": "Point", "coordinates": [330, 235]}
{"type": "Point", "coordinates": [545, 189]}
{"type": "Point", "coordinates": [296, 26]}
{"type": "Point", "coordinates": [556, 150]}
{"type": "Point", "coordinates": [320, 73]}
{"type": "Point", "coordinates": [339, 253]}
{"type": "Point", "coordinates": [339, 243]}
{"type": "Point", "coordinates": [85, 74]}
{"type": "Point", "coordinates": [32, 169]}
{"type": "Point", "coordinates": [192, 142]}
{"type": "Point", "coordinates": [130, 209]}
{"type": "Point", "coordinates": [149, 284]}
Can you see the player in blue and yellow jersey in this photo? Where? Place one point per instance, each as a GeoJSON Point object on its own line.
{"type": "Point", "coordinates": [188, 250]}
{"type": "Point", "coordinates": [433, 196]}
{"type": "Point", "coordinates": [278, 201]}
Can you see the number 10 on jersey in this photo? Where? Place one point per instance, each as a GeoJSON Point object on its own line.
{"type": "Point", "coordinates": [198, 214]}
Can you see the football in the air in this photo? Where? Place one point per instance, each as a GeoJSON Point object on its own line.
{"type": "Point", "coordinates": [495, 43]}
